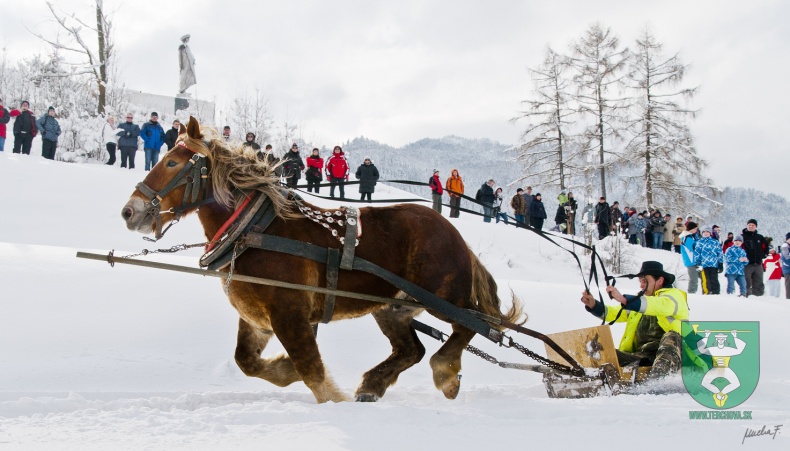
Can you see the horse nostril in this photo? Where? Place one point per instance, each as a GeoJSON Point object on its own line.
{"type": "Point", "coordinates": [127, 213]}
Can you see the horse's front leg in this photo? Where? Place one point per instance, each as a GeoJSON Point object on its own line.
{"type": "Point", "coordinates": [250, 343]}
{"type": "Point", "coordinates": [294, 331]}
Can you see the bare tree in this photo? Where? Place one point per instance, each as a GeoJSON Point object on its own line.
{"type": "Point", "coordinates": [661, 142]}
{"type": "Point", "coordinates": [546, 151]}
{"type": "Point", "coordinates": [95, 59]}
{"type": "Point", "coordinates": [600, 66]}
{"type": "Point", "coordinates": [251, 114]}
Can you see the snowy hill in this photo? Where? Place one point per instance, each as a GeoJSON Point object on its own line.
{"type": "Point", "coordinates": [740, 204]}
{"type": "Point", "coordinates": [477, 161]}
{"type": "Point", "coordinates": [94, 357]}
{"type": "Point", "coordinates": [481, 159]}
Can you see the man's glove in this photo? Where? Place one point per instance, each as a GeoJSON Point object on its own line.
{"type": "Point", "coordinates": [707, 333]}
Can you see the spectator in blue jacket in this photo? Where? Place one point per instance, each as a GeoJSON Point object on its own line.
{"type": "Point", "coordinates": [736, 260]}
{"type": "Point", "coordinates": [50, 130]}
{"type": "Point", "coordinates": [153, 137]}
{"type": "Point", "coordinates": [708, 256]}
{"type": "Point", "coordinates": [688, 241]}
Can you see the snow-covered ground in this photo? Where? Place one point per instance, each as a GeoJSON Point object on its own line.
{"type": "Point", "coordinates": [93, 357]}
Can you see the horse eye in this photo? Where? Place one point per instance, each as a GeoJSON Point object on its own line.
{"type": "Point", "coordinates": [171, 163]}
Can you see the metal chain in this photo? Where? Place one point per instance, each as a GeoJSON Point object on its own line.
{"type": "Point", "coordinates": [232, 267]}
{"type": "Point", "coordinates": [172, 249]}
{"type": "Point", "coordinates": [512, 344]}
{"type": "Point", "coordinates": [482, 354]}
{"type": "Point", "coordinates": [551, 364]}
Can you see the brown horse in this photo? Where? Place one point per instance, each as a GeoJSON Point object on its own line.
{"type": "Point", "coordinates": [411, 241]}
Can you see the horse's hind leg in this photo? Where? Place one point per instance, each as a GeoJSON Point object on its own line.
{"type": "Point", "coordinates": [250, 343]}
{"type": "Point", "coordinates": [446, 363]}
{"type": "Point", "coordinates": [406, 351]}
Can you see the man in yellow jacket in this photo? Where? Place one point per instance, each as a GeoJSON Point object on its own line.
{"type": "Point", "coordinates": [653, 317]}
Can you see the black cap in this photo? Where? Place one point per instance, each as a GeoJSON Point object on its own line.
{"type": "Point", "coordinates": [154, 113]}
{"type": "Point", "coordinates": [752, 221]}
{"type": "Point", "coordinates": [655, 269]}
{"type": "Point", "coordinates": [51, 108]}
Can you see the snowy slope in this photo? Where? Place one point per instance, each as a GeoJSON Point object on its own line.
{"type": "Point", "coordinates": [94, 357]}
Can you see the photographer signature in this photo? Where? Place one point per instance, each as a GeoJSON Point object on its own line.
{"type": "Point", "coordinates": [764, 431]}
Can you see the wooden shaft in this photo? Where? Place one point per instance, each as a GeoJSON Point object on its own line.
{"type": "Point", "coordinates": [250, 279]}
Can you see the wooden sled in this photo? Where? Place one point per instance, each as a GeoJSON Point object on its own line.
{"type": "Point", "coordinates": [594, 349]}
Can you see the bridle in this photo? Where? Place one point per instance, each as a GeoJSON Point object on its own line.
{"type": "Point", "coordinates": [194, 175]}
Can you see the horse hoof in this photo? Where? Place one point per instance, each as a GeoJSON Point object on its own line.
{"type": "Point", "coordinates": [366, 397]}
{"type": "Point", "coordinates": [452, 388]}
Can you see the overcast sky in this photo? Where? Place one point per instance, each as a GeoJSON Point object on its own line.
{"type": "Point", "coordinates": [400, 71]}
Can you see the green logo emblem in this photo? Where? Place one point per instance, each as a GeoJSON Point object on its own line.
{"type": "Point", "coordinates": [721, 362]}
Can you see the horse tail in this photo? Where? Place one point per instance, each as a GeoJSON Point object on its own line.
{"type": "Point", "coordinates": [485, 297]}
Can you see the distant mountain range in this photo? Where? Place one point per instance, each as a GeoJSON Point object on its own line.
{"type": "Point", "coordinates": [478, 160]}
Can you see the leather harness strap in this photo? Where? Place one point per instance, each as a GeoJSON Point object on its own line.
{"type": "Point", "coordinates": [332, 271]}
{"type": "Point", "coordinates": [350, 240]}
{"type": "Point", "coordinates": [194, 175]}
{"type": "Point", "coordinates": [427, 298]}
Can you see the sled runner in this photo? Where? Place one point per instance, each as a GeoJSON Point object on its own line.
{"type": "Point", "coordinates": [594, 349]}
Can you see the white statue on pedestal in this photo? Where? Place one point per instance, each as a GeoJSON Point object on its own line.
{"type": "Point", "coordinates": [186, 62]}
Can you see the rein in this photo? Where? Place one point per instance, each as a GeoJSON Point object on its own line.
{"type": "Point", "coordinates": [194, 174]}
{"type": "Point", "coordinates": [595, 259]}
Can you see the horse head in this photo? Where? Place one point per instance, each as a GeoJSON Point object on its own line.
{"type": "Point", "coordinates": [175, 186]}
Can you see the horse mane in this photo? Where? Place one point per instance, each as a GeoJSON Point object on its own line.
{"type": "Point", "coordinates": [236, 169]}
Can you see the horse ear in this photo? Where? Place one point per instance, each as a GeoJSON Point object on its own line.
{"type": "Point", "coordinates": [193, 128]}
{"type": "Point", "coordinates": [181, 129]}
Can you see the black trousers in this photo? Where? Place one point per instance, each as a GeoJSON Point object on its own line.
{"type": "Point", "coordinates": [603, 230]}
{"type": "Point", "coordinates": [111, 151]}
{"type": "Point", "coordinates": [341, 183]}
{"type": "Point", "coordinates": [363, 195]}
{"type": "Point", "coordinates": [313, 184]}
{"type": "Point", "coordinates": [291, 182]}
{"type": "Point", "coordinates": [48, 149]}
{"type": "Point", "coordinates": [127, 154]}
{"type": "Point", "coordinates": [22, 143]}
{"type": "Point", "coordinates": [710, 281]}
{"type": "Point", "coordinates": [536, 222]}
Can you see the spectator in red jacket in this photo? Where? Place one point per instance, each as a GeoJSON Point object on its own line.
{"type": "Point", "coordinates": [5, 117]}
{"type": "Point", "coordinates": [436, 190]}
{"type": "Point", "coordinates": [773, 267]}
{"type": "Point", "coordinates": [315, 165]}
{"type": "Point", "coordinates": [727, 242]}
{"type": "Point", "coordinates": [337, 172]}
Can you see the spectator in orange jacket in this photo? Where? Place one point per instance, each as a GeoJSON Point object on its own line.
{"type": "Point", "coordinates": [455, 188]}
